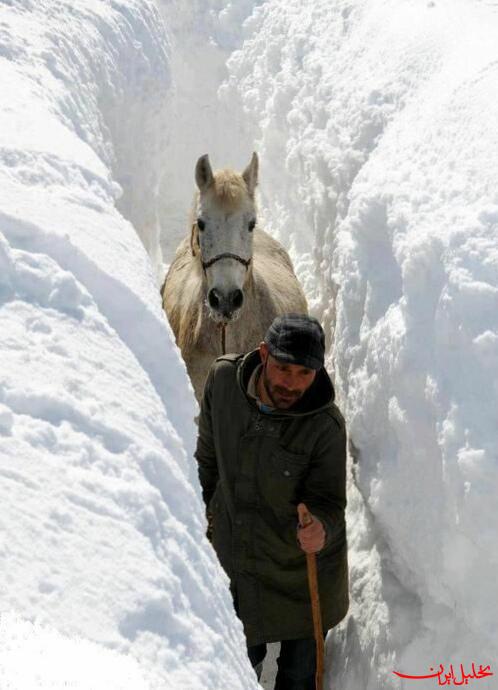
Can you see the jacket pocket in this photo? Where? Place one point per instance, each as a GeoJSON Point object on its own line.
{"type": "Point", "coordinates": [289, 465]}
{"type": "Point", "coordinates": [287, 471]}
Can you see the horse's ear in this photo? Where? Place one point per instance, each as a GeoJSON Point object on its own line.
{"type": "Point", "coordinates": [250, 174]}
{"type": "Point", "coordinates": [203, 173]}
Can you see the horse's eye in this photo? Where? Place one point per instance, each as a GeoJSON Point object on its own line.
{"type": "Point", "coordinates": [252, 224]}
{"type": "Point", "coordinates": [201, 224]}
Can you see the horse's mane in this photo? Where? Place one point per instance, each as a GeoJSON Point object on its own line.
{"type": "Point", "coordinates": [229, 188]}
{"type": "Point", "coordinates": [185, 307]}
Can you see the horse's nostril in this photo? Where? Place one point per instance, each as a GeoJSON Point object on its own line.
{"type": "Point", "coordinates": [225, 304]}
{"type": "Point", "coordinates": [213, 299]}
{"type": "Point", "coordinates": [236, 299]}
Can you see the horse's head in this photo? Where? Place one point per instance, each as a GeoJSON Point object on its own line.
{"type": "Point", "coordinates": [223, 230]}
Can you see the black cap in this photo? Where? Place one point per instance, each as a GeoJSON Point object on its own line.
{"type": "Point", "coordinates": [297, 339]}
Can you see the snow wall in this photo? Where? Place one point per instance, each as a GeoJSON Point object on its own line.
{"type": "Point", "coordinates": [101, 521]}
{"type": "Point", "coordinates": [377, 125]}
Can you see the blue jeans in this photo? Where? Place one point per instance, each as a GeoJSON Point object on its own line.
{"type": "Point", "coordinates": [296, 663]}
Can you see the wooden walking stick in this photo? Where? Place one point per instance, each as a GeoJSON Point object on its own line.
{"type": "Point", "coordinates": [304, 520]}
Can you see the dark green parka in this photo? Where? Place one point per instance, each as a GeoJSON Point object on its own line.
{"type": "Point", "coordinates": [254, 469]}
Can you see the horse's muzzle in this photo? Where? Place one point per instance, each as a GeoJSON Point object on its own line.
{"type": "Point", "coordinates": [225, 304]}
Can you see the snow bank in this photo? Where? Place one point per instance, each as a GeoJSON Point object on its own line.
{"type": "Point", "coordinates": [101, 526]}
{"type": "Point", "coordinates": [33, 657]}
{"type": "Point", "coordinates": [377, 126]}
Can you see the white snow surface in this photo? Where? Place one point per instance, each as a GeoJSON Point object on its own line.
{"type": "Point", "coordinates": [377, 125]}
{"type": "Point", "coordinates": [101, 521]}
{"type": "Point", "coordinates": [376, 122]}
{"type": "Point", "coordinates": [34, 657]}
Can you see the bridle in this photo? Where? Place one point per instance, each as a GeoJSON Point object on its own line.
{"type": "Point", "coordinates": [225, 255]}
{"type": "Point", "coordinates": [207, 264]}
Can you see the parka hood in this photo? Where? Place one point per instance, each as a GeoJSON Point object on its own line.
{"type": "Point", "coordinates": [318, 397]}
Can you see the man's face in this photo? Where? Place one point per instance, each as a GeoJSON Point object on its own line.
{"type": "Point", "coordinates": [285, 383]}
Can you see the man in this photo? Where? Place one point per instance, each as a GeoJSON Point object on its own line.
{"type": "Point", "coordinates": [270, 437]}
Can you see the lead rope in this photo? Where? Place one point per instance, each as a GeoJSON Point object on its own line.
{"type": "Point", "coordinates": [223, 338]}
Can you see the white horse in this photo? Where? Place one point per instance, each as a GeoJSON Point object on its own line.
{"type": "Point", "coordinates": [228, 276]}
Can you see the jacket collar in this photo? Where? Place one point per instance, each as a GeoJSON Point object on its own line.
{"type": "Point", "coordinates": [319, 395]}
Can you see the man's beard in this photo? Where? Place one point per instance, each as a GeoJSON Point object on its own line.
{"type": "Point", "coordinates": [274, 392]}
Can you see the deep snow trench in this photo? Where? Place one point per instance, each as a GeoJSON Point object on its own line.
{"type": "Point", "coordinates": [376, 126]}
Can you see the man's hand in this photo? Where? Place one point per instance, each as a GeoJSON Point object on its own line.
{"type": "Point", "coordinates": [311, 536]}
